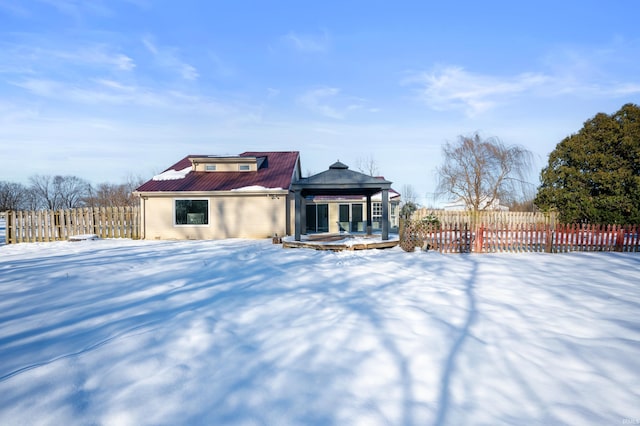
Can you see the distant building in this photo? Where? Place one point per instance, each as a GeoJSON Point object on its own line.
{"type": "Point", "coordinates": [461, 205]}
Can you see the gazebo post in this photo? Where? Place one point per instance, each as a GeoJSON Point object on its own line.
{"type": "Point", "coordinates": [385, 214]}
{"type": "Point", "coordinates": [303, 215]}
{"type": "Point", "coordinates": [369, 210]}
{"type": "Point", "coordinates": [298, 217]}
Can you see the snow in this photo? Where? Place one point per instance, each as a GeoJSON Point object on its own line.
{"type": "Point", "coordinates": [83, 237]}
{"type": "Point", "coordinates": [256, 188]}
{"type": "Point", "coordinates": [173, 174]}
{"type": "Point", "coordinates": [346, 239]}
{"type": "Point", "coordinates": [121, 332]}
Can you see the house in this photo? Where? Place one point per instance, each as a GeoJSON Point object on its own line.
{"type": "Point", "coordinates": [461, 205]}
{"type": "Point", "coordinates": [252, 195]}
{"type": "Point", "coordinates": [215, 197]}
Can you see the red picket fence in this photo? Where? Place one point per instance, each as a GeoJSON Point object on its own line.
{"type": "Point", "coordinates": [492, 238]}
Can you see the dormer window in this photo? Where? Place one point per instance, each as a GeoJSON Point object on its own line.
{"type": "Point", "coordinates": [214, 163]}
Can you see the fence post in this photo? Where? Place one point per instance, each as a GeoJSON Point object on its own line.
{"type": "Point", "coordinates": [479, 237]}
{"type": "Point", "coordinates": [122, 223]}
{"type": "Point", "coordinates": [620, 239]}
{"type": "Point", "coordinates": [11, 220]}
{"type": "Point", "coordinates": [548, 239]}
{"type": "Point", "coordinates": [137, 222]}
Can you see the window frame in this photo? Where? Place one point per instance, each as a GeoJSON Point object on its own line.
{"type": "Point", "coordinates": [198, 225]}
{"type": "Point", "coordinates": [376, 215]}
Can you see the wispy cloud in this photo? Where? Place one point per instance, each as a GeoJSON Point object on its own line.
{"type": "Point", "coordinates": [610, 70]}
{"type": "Point", "coordinates": [625, 89]}
{"type": "Point", "coordinates": [583, 72]}
{"type": "Point", "coordinates": [11, 113]}
{"type": "Point", "coordinates": [77, 9]}
{"type": "Point", "coordinates": [98, 55]}
{"type": "Point", "coordinates": [108, 93]}
{"type": "Point", "coordinates": [453, 87]}
{"type": "Point", "coordinates": [219, 66]}
{"type": "Point", "coordinates": [15, 8]}
{"type": "Point", "coordinates": [169, 58]}
{"type": "Point", "coordinates": [35, 56]}
{"type": "Point", "coordinates": [309, 43]}
{"type": "Point", "coordinates": [330, 102]}
{"type": "Point", "coordinates": [317, 100]}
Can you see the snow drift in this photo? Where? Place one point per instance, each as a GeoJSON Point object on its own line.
{"type": "Point", "coordinates": [119, 332]}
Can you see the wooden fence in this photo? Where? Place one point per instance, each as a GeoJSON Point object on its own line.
{"type": "Point", "coordinates": [487, 217]}
{"type": "Point", "coordinates": [492, 238]}
{"type": "Point", "coordinates": [49, 225]}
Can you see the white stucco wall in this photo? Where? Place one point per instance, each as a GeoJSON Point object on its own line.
{"type": "Point", "coordinates": [239, 215]}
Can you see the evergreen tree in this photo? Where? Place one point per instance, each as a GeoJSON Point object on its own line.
{"type": "Point", "coordinates": [594, 175]}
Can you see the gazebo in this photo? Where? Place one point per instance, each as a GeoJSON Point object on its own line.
{"type": "Point", "coordinates": [340, 181]}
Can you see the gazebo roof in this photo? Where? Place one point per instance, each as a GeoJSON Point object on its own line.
{"type": "Point", "coordinates": [339, 180]}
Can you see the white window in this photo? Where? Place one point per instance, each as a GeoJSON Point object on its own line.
{"type": "Point", "coordinates": [377, 211]}
{"type": "Point", "coordinates": [210, 168]}
{"type": "Point", "coordinates": [394, 214]}
{"type": "Point", "coordinates": [245, 167]}
{"type": "Point", "coordinates": [376, 215]}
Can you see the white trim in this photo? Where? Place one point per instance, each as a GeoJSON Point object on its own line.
{"type": "Point", "coordinates": [187, 225]}
{"type": "Point", "coordinates": [192, 195]}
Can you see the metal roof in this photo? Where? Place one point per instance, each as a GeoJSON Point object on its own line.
{"type": "Point", "coordinates": [339, 180]}
{"type": "Point", "coordinates": [276, 170]}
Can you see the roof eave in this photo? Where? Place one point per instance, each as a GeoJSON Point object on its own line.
{"type": "Point", "coordinates": [236, 192]}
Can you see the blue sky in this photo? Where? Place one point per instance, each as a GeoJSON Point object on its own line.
{"type": "Point", "coordinates": [108, 89]}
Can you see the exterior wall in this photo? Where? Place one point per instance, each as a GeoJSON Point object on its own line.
{"type": "Point", "coordinates": [230, 216]}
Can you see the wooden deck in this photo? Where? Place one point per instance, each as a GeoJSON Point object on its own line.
{"type": "Point", "coordinates": [340, 242]}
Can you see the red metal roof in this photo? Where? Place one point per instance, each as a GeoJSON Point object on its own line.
{"type": "Point", "coordinates": [275, 172]}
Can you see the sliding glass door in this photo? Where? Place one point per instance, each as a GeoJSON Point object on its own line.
{"type": "Point", "coordinates": [317, 218]}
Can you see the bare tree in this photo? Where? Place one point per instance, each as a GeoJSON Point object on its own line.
{"type": "Point", "coordinates": [115, 195]}
{"type": "Point", "coordinates": [111, 195]}
{"type": "Point", "coordinates": [72, 191]}
{"type": "Point", "coordinates": [481, 172]}
{"type": "Point", "coordinates": [57, 192]}
{"type": "Point", "coordinates": [12, 196]}
{"type": "Point", "coordinates": [368, 166]}
{"type": "Point", "coordinates": [526, 205]}
{"type": "Point", "coordinates": [409, 194]}
{"type": "Point", "coordinates": [409, 200]}
{"type": "Point", "coordinates": [132, 183]}
{"type": "Point", "coordinates": [43, 193]}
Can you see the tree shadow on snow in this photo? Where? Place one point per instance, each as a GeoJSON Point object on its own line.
{"type": "Point", "coordinates": [448, 370]}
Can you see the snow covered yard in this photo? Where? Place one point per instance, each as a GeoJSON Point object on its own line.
{"type": "Point", "coordinates": [120, 332]}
